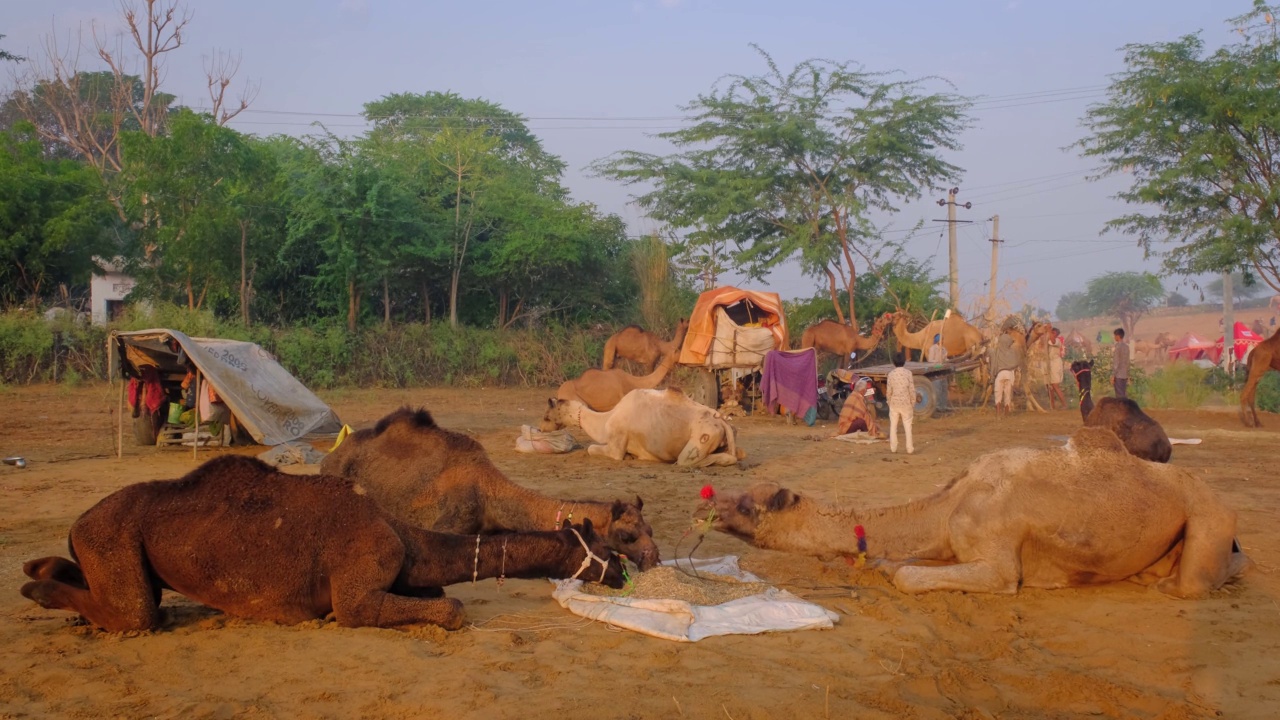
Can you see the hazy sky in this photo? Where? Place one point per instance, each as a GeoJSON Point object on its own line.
{"type": "Point", "coordinates": [628, 65]}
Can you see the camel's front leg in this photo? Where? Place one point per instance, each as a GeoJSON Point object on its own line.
{"type": "Point", "coordinates": [985, 576]}
{"type": "Point", "coordinates": [615, 449]}
{"type": "Point", "coordinates": [1210, 555]}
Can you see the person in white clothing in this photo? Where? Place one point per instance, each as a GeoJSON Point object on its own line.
{"type": "Point", "coordinates": [901, 391]}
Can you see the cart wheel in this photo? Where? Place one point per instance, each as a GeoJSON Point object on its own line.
{"type": "Point", "coordinates": [145, 428]}
{"type": "Point", "coordinates": [926, 398]}
{"type": "Point", "coordinates": [706, 389]}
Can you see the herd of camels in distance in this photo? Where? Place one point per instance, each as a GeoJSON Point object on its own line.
{"type": "Point", "coordinates": [601, 389]}
{"type": "Point", "coordinates": [401, 509]}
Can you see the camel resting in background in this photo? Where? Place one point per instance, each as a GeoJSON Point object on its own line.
{"type": "Point", "coordinates": [1083, 514]}
{"type": "Point", "coordinates": [958, 336]}
{"type": "Point", "coordinates": [1140, 433]}
{"type": "Point", "coordinates": [255, 543]}
{"type": "Point", "coordinates": [601, 390]}
{"type": "Point", "coordinates": [1264, 356]}
{"type": "Point", "coordinates": [444, 481]}
{"type": "Point", "coordinates": [1156, 349]}
{"type": "Point", "coordinates": [660, 425]}
{"type": "Point", "coordinates": [642, 347]}
{"type": "Point", "coordinates": [840, 339]}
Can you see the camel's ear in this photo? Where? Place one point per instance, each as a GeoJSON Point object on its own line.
{"type": "Point", "coordinates": [551, 403]}
{"type": "Point", "coordinates": [618, 509]}
{"type": "Point", "coordinates": [782, 500]}
{"type": "Point", "coordinates": [587, 529]}
{"type": "Point", "coordinates": [639, 503]}
{"type": "Point", "coordinates": [565, 525]}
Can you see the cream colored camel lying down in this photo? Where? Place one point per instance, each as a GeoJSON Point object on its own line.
{"type": "Point", "coordinates": [661, 425]}
{"type": "Point", "coordinates": [1083, 514]}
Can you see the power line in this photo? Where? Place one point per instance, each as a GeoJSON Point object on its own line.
{"type": "Point", "coordinates": [982, 102]}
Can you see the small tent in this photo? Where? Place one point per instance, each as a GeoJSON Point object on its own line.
{"type": "Point", "coordinates": [1245, 340]}
{"type": "Point", "coordinates": [1190, 347]}
{"type": "Point", "coordinates": [734, 327]}
{"type": "Point", "coordinates": [267, 400]}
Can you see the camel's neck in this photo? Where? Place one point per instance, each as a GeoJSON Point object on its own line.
{"type": "Point", "coordinates": [652, 379]}
{"type": "Point", "coordinates": [907, 338]}
{"type": "Point", "coordinates": [591, 422]}
{"type": "Point", "coordinates": [517, 507]}
{"type": "Point", "coordinates": [438, 559]}
{"type": "Point", "coordinates": [917, 529]}
{"type": "Point", "coordinates": [673, 345]}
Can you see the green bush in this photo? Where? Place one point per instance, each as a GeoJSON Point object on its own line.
{"type": "Point", "coordinates": [1268, 397]}
{"type": "Point", "coordinates": [323, 355]}
{"type": "Point", "coordinates": [1179, 385]}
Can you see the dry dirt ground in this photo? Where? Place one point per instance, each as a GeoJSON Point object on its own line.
{"type": "Point", "coordinates": [1114, 651]}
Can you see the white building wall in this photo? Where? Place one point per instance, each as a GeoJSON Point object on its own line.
{"type": "Point", "coordinates": [112, 285]}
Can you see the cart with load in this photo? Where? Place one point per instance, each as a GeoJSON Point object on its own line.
{"type": "Point", "coordinates": [730, 332]}
{"type": "Point", "coordinates": [923, 374]}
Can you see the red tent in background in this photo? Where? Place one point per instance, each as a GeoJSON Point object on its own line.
{"type": "Point", "coordinates": [1190, 347]}
{"type": "Point", "coordinates": [1245, 340]}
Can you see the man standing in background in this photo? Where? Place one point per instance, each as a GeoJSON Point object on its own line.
{"type": "Point", "coordinates": [1120, 369]}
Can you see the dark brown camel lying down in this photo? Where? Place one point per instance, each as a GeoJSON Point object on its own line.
{"type": "Point", "coordinates": [443, 480]}
{"type": "Point", "coordinates": [1078, 515]}
{"type": "Point", "coordinates": [1139, 432]}
{"type": "Point", "coordinates": [254, 543]}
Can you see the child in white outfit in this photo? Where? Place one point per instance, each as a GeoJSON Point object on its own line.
{"type": "Point", "coordinates": [901, 391]}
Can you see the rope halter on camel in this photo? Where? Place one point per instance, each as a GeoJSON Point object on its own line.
{"type": "Point", "coordinates": [586, 561]}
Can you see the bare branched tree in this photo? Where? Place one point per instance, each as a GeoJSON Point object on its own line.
{"type": "Point", "coordinates": [220, 69]}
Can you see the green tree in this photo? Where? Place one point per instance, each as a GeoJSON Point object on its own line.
{"type": "Point", "coordinates": [53, 219]}
{"type": "Point", "coordinates": [185, 191]}
{"type": "Point", "coordinates": [789, 165]}
{"type": "Point", "coordinates": [1072, 306]}
{"type": "Point", "coordinates": [9, 56]}
{"type": "Point", "coordinates": [911, 284]}
{"type": "Point", "coordinates": [1177, 300]}
{"type": "Point", "coordinates": [1198, 131]}
{"type": "Point", "coordinates": [1243, 287]}
{"type": "Point", "coordinates": [1125, 295]}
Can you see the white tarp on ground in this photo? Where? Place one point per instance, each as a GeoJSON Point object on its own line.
{"type": "Point", "coordinates": [266, 399]}
{"type": "Point", "coordinates": [771, 611]}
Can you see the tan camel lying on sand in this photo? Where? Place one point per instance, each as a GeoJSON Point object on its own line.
{"type": "Point", "coordinates": [1084, 514]}
{"type": "Point", "coordinates": [642, 347]}
{"type": "Point", "coordinates": [239, 536]}
{"type": "Point", "coordinates": [601, 390]}
{"type": "Point", "coordinates": [444, 481]}
{"type": "Point", "coordinates": [661, 425]}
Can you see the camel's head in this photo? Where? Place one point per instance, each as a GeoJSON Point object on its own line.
{"type": "Point", "coordinates": [630, 535]}
{"type": "Point", "coordinates": [560, 414]}
{"type": "Point", "coordinates": [740, 513]}
{"type": "Point", "coordinates": [596, 546]}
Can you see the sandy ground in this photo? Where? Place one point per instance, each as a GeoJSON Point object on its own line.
{"type": "Point", "coordinates": [1114, 651]}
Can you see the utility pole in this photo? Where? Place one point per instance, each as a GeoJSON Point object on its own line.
{"type": "Point", "coordinates": [950, 204]}
{"type": "Point", "coordinates": [1228, 325]}
{"type": "Point", "coordinates": [995, 261]}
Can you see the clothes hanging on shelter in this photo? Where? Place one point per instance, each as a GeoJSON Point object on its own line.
{"type": "Point", "coordinates": [790, 379]}
{"type": "Point", "coordinates": [149, 388]}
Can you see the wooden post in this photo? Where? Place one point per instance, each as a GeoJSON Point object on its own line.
{"type": "Point", "coordinates": [1228, 324]}
{"type": "Point", "coordinates": [954, 274]}
{"type": "Point", "coordinates": [195, 436]}
{"type": "Point", "coordinates": [120, 419]}
{"type": "Point", "coordinates": [995, 262]}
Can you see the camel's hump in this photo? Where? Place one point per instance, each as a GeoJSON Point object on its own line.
{"type": "Point", "coordinates": [1096, 439]}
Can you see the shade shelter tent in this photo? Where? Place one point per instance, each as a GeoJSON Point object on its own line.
{"type": "Point", "coordinates": [269, 403]}
{"type": "Point", "coordinates": [717, 323]}
{"type": "Point", "coordinates": [1190, 347]}
{"type": "Point", "coordinates": [1246, 339]}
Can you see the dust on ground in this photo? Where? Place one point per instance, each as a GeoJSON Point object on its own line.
{"type": "Point", "coordinates": [1115, 651]}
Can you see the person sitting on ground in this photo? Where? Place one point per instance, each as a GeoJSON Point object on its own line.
{"type": "Point", "coordinates": [858, 414]}
{"type": "Point", "coordinates": [901, 390]}
{"type": "Point", "coordinates": [1004, 364]}
{"type": "Point", "coordinates": [1120, 367]}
